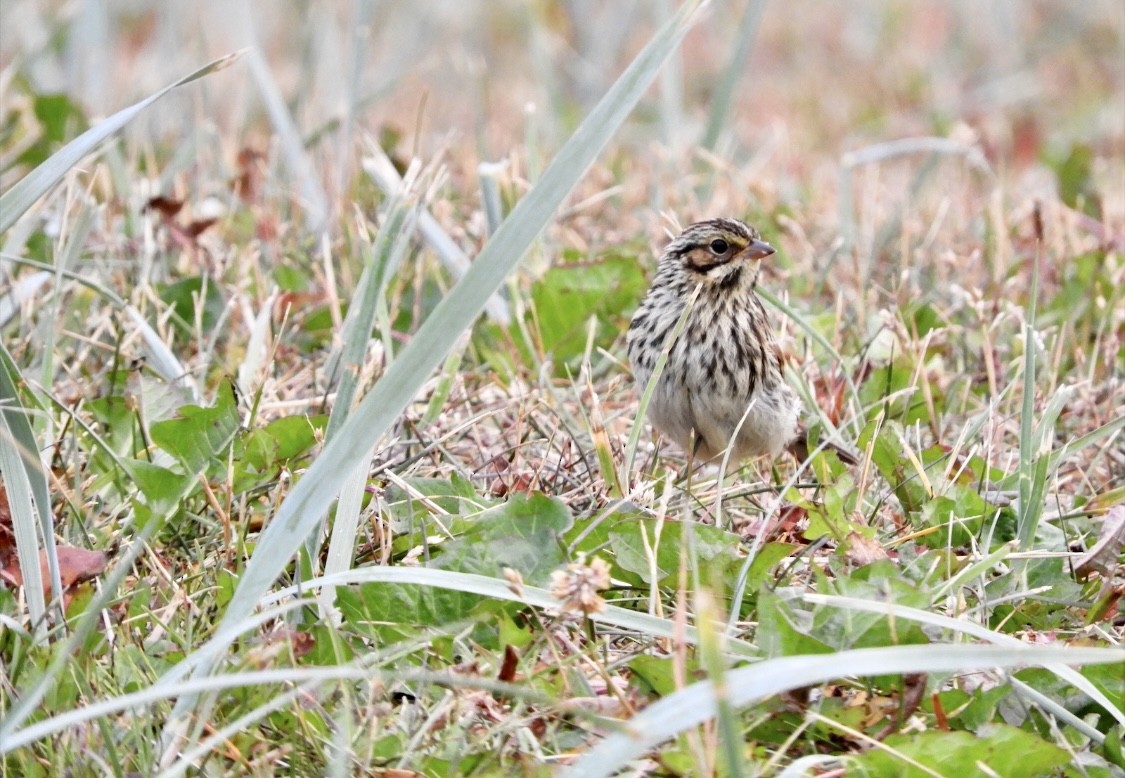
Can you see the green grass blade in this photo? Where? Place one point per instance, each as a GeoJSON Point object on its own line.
{"type": "Point", "coordinates": [16, 201]}
{"type": "Point", "coordinates": [1028, 513]}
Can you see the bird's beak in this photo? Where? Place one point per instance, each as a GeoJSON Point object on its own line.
{"type": "Point", "coordinates": [757, 249]}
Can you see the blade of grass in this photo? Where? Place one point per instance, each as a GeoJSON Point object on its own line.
{"type": "Point", "coordinates": [159, 357]}
{"type": "Point", "coordinates": [1028, 514]}
{"type": "Point", "coordinates": [275, 605]}
{"type": "Point", "coordinates": [966, 627]}
{"type": "Point", "coordinates": [346, 365]}
{"type": "Point", "coordinates": [710, 651]}
{"type": "Point", "coordinates": [313, 198]}
{"type": "Point", "coordinates": [28, 497]}
{"type": "Point", "coordinates": [697, 703]}
{"type": "Point", "coordinates": [381, 170]}
{"type": "Point", "coordinates": [16, 201]}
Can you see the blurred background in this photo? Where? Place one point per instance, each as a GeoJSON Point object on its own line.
{"type": "Point", "coordinates": [781, 91]}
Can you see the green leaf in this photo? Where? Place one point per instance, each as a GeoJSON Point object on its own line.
{"type": "Point", "coordinates": [59, 118]}
{"type": "Point", "coordinates": [569, 295]}
{"type": "Point", "coordinates": [200, 435]}
{"type": "Point", "coordinates": [523, 534]}
{"type": "Point", "coordinates": [455, 495]}
{"type": "Point", "coordinates": [184, 297]}
{"type": "Point", "coordinates": [785, 631]}
{"type": "Point", "coordinates": [881, 581]}
{"type": "Point", "coordinates": [1075, 177]}
{"type": "Point", "coordinates": [959, 515]}
{"type": "Point", "coordinates": [260, 454]}
{"type": "Point", "coordinates": [628, 534]}
{"type": "Point", "coordinates": [894, 465]}
{"type": "Point", "coordinates": [970, 710]}
{"type": "Point", "coordinates": [657, 672]}
{"type": "Point", "coordinates": [1006, 751]}
{"type": "Point", "coordinates": [893, 386]}
{"type": "Point", "coordinates": [392, 611]}
{"type": "Point", "coordinates": [767, 558]}
{"type": "Point", "coordinates": [162, 489]}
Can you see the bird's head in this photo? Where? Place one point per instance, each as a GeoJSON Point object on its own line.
{"type": "Point", "coordinates": [727, 252]}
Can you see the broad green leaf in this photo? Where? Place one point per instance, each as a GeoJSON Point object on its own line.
{"type": "Point", "coordinates": [59, 117]}
{"type": "Point", "coordinates": [196, 301]}
{"type": "Point", "coordinates": [784, 630]}
{"type": "Point", "coordinates": [391, 612]}
{"type": "Point", "coordinates": [972, 710]}
{"type": "Point", "coordinates": [657, 672]}
{"type": "Point", "coordinates": [627, 538]}
{"type": "Point", "coordinates": [1075, 174]}
{"type": "Point", "coordinates": [523, 534]}
{"type": "Point", "coordinates": [200, 435]}
{"type": "Point", "coordinates": [261, 453]}
{"type": "Point", "coordinates": [162, 488]}
{"type": "Point", "coordinates": [567, 297]}
{"type": "Point", "coordinates": [1006, 752]}
{"type": "Point", "coordinates": [455, 495]}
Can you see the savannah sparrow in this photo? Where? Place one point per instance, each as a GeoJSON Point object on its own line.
{"type": "Point", "coordinates": [726, 363]}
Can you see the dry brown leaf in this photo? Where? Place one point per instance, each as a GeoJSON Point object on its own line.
{"type": "Point", "coordinates": [247, 185]}
{"type": "Point", "coordinates": [862, 551]}
{"type": "Point", "coordinates": [166, 206]}
{"type": "Point", "coordinates": [76, 566]}
{"type": "Point", "coordinates": [7, 537]}
{"type": "Point", "coordinates": [508, 668]}
{"type": "Point", "coordinates": [785, 521]}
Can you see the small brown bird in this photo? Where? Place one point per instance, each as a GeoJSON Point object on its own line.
{"type": "Point", "coordinates": [726, 362]}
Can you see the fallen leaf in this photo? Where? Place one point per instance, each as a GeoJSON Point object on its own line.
{"type": "Point", "coordinates": [862, 551]}
{"type": "Point", "coordinates": [167, 206]}
{"type": "Point", "coordinates": [7, 536]}
{"type": "Point", "coordinates": [76, 566]}
{"type": "Point", "coordinates": [196, 227]}
{"type": "Point", "coordinates": [785, 520]}
{"type": "Point", "coordinates": [247, 185]}
{"type": "Point", "coordinates": [508, 668]}
{"type": "Point", "coordinates": [300, 642]}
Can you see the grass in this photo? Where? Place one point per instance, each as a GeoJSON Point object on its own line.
{"type": "Point", "coordinates": [354, 498]}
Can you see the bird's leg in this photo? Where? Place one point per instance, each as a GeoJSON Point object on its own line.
{"type": "Point", "coordinates": [696, 441]}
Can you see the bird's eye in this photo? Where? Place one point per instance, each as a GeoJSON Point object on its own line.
{"type": "Point", "coordinates": [719, 246]}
